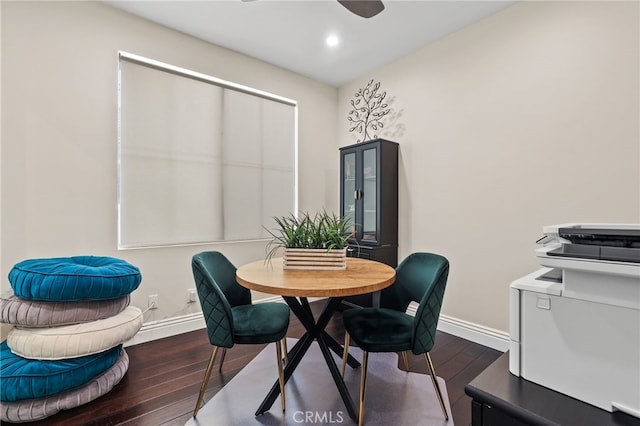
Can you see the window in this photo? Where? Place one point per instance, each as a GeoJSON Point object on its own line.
{"type": "Point", "coordinates": [200, 159]}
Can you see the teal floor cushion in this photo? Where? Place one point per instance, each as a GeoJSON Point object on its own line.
{"type": "Point", "coordinates": [29, 410]}
{"type": "Point", "coordinates": [74, 278]}
{"type": "Point", "coordinates": [22, 379]}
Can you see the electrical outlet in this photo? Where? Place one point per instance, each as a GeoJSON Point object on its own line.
{"type": "Point", "coordinates": [152, 302]}
{"type": "Point", "coordinates": [192, 295]}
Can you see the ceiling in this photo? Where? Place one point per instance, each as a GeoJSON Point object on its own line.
{"type": "Point", "coordinates": [291, 33]}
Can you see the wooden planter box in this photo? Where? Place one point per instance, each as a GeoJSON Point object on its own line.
{"type": "Point", "coordinates": [315, 259]}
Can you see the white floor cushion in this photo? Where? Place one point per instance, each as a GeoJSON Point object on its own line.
{"type": "Point", "coordinates": [72, 341]}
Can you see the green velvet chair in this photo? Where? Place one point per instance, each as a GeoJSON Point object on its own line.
{"type": "Point", "coordinates": [231, 317]}
{"type": "Point", "coordinates": [422, 278]}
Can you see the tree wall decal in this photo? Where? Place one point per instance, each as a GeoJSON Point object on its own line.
{"type": "Point", "coordinates": [369, 109]}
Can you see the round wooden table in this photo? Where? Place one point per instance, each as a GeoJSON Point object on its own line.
{"type": "Point", "coordinates": [361, 276]}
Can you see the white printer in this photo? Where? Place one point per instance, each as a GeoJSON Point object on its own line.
{"type": "Point", "coordinates": [575, 323]}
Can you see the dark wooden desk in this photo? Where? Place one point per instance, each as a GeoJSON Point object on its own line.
{"type": "Point", "coordinates": [361, 276]}
{"type": "Point", "coordinates": [500, 398]}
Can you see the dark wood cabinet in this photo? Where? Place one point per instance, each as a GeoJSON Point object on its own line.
{"type": "Point", "coordinates": [369, 198]}
{"type": "Point", "coordinates": [501, 399]}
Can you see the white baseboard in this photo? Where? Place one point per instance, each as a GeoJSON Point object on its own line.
{"type": "Point", "coordinates": [167, 327]}
{"type": "Point", "coordinates": [495, 339]}
{"type": "Point", "coordinates": [485, 336]}
{"type": "Point", "coordinates": [476, 333]}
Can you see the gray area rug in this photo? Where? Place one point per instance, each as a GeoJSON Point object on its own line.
{"type": "Point", "coordinates": [394, 397]}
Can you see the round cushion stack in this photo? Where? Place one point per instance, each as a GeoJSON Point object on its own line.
{"type": "Point", "coordinates": [71, 316]}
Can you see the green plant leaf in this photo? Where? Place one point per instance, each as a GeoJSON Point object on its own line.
{"type": "Point", "coordinates": [321, 231]}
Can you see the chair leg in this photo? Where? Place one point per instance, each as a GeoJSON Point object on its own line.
{"type": "Point", "coordinates": [280, 373]}
{"type": "Point", "coordinates": [406, 360]}
{"type": "Point", "coordinates": [205, 379]}
{"type": "Point", "coordinates": [345, 353]}
{"type": "Point", "coordinates": [286, 351]}
{"type": "Point", "coordinates": [434, 380]}
{"type": "Point", "coordinates": [224, 354]}
{"type": "Point", "coordinates": [363, 386]}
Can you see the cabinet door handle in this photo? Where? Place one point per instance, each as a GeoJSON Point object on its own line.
{"type": "Point", "coordinates": [355, 194]}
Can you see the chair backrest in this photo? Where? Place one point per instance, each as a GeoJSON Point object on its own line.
{"type": "Point", "coordinates": [421, 278]}
{"type": "Point", "coordinates": [218, 291]}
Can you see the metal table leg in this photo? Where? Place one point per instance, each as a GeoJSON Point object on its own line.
{"type": "Point", "coordinates": [315, 331]}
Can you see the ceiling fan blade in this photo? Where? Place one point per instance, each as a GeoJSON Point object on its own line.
{"type": "Point", "coordinates": [364, 8]}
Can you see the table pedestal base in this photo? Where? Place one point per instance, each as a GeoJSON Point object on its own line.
{"type": "Point", "coordinates": [315, 331]}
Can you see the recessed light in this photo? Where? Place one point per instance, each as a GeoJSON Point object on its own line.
{"type": "Point", "coordinates": [332, 40]}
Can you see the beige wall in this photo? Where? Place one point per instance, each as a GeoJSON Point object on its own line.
{"type": "Point", "coordinates": [59, 105]}
{"type": "Point", "coordinates": [527, 118]}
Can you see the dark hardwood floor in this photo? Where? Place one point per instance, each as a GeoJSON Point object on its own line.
{"type": "Point", "coordinates": [164, 377]}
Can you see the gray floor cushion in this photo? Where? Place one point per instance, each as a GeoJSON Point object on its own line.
{"type": "Point", "coordinates": [31, 313]}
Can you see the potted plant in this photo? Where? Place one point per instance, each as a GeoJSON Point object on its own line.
{"type": "Point", "coordinates": [311, 242]}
